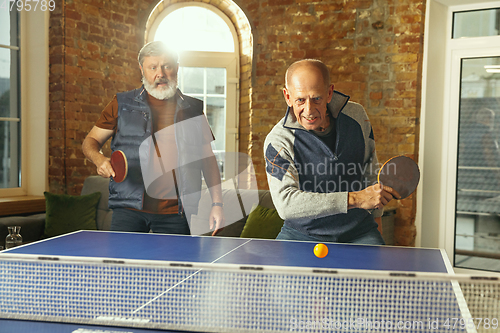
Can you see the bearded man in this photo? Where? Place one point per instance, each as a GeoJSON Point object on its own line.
{"type": "Point", "coordinates": [139, 116]}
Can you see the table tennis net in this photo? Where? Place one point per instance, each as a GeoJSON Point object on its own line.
{"type": "Point", "coordinates": [233, 298]}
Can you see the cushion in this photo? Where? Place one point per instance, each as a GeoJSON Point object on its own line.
{"type": "Point", "coordinates": [262, 222]}
{"type": "Point", "coordinates": [68, 213]}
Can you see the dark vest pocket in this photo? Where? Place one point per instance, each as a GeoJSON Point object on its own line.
{"type": "Point", "coordinates": [132, 122]}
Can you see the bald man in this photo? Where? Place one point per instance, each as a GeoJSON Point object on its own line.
{"type": "Point", "coordinates": [321, 163]}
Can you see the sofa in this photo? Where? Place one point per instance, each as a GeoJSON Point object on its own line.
{"type": "Point", "coordinates": [32, 226]}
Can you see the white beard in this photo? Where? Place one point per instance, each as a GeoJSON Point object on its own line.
{"type": "Point", "coordinates": [160, 93]}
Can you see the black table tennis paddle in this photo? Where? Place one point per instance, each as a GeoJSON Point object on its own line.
{"type": "Point", "coordinates": [400, 173]}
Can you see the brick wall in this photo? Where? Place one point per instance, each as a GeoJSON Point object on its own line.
{"type": "Point", "coordinates": [372, 47]}
{"type": "Point", "coordinates": [374, 52]}
{"type": "Point", "coordinates": [93, 52]}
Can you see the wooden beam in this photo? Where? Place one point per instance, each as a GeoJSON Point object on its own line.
{"type": "Point", "coordinates": [22, 205]}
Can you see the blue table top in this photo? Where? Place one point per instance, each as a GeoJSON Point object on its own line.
{"type": "Point", "coordinates": [240, 251]}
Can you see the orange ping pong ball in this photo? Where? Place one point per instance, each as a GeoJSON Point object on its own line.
{"type": "Point", "coordinates": [320, 250]}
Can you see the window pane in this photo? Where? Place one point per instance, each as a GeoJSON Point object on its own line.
{"type": "Point", "coordinates": [195, 28]}
{"type": "Point", "coordinates": [205, 83]}
{"type": "Point", "coordinates": [8, 84]}
{"type": "Point", "coordinates": [10, 139]}
{"type": "Point", "coordinates": [9, 154]}
{"type": "Point", "coordinates": [477, 23]}
{"type": "Point", "coordinates": [478, 176]}
{"type": "Point", "coordinates": [192, 80]}
{"type": "Point", "coordinates": [4, 27]}
{"type": "Point", "coordinates": [8, 27]}
{"type": "Point", "coordinates": [5, 83]}
{"type": "Point", "coordinates": [217, 119]}
{"type": "Point", "coordinates": [216, 81]}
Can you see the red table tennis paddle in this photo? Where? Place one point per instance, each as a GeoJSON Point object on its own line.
{"type": "Point", "coordinates": [400, 173]}
{"type": "Point", "coordinates": [119, 165]}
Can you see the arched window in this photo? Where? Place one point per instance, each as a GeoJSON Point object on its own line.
{"type": "Point", "coordinates": [200, 28]}
{"type": "Point", "coordinates": [209, 65]}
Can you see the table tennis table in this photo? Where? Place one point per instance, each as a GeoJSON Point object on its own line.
{"type": "Point", "coordinates": [179, 279]}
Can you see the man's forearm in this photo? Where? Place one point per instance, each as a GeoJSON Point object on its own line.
{"type": "Point", "coordinates": [212, 178]}
{"type": "Point", "coordinates": [92, 150]}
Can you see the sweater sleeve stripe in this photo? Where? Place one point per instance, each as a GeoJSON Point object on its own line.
{"type": "Point", "coordinates": [276, 165]}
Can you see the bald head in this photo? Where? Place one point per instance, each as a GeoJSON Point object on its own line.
{"type": "Point", "coordinates": [305, 65]}
{"type": "Point", "coordinates": [308, 92]}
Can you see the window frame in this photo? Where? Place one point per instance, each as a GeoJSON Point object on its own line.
{"type": "Point", "coordinates": [221, 60]}
{"type": "Point", "coordinates": [173, 7]}
{"type": "Point", "coordinates": [34, 103]}
{"type": "Point", "coordinates": [228, 60]}
{"type": "Point", "coordinates": [435, 219]}
{"type": "Point", "coordinates": [14, 79]}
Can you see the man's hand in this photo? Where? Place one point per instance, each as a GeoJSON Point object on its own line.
{"type": "Point", "coordinates": [92, 150]}
{"type": "Point", "coordinates": [104, 168]}
{"type": "Point", "coordinates": [216, 219]}
{"type": "Point", "coordinates": [372, 197]}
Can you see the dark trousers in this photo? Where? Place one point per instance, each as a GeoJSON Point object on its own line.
{"type": "Point", "coordinates": [372, 237]}
{"type": "Point", "coordinates": [135, 221]}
